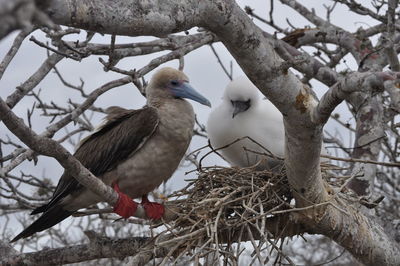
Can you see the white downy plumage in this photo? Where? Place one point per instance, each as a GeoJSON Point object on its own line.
{"type": "Point", "coordinates": [245, 112]}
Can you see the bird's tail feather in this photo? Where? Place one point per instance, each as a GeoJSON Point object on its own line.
{"type": "Point", "coordinates": [50, 217]}
{"type": "Point", "coordinates": [39, 209]}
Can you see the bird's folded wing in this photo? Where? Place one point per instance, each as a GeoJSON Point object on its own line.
{"type": "Point", "coordinates": [124, 133]}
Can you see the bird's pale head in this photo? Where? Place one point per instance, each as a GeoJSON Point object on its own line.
{"type": "Point", "coordinates": [171, 83]}
{"type": "Point", "coordinates": [241, 94]}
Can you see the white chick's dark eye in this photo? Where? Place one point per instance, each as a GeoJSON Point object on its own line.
{"type": "Point", "coordinates": [174, 82]}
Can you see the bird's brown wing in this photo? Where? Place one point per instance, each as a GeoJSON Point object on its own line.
{"type": "Point", "coordinates": [122, 135]}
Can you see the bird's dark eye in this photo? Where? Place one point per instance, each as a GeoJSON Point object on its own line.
{"type": "Point", "coordinates": [174, 82]}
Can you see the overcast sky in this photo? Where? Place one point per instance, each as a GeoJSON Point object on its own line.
{"type": "Point", "coordinates": [201, 67]}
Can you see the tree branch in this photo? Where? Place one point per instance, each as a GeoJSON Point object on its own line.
{"type": "Point", "coordinates": [391, 32]}
{"type": "Point", "coordinates": [369, 83]}
{"type": "Point", "coordinates": [98, 247]}
{"type": "Point", "coordinates": [34, 80]}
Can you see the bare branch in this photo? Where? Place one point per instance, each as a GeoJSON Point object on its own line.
{"type": "Point", "coordinates": [98, 247]}
{"type": "Point", "coordinates": [14, 49]}
{"type": "Point", "coordinates": [362, 10]}
{"type": "Point", "coordinates": [391, 31]}
{"type": "Point", "coordinates": [369, 82]}
{"type": "Point", "coordinates": [34, 80]}
{"type": "Point", "coordinates": [220, 63]}
{"type": "Point", "coordinates": [309, 15]}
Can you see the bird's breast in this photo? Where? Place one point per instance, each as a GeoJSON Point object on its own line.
{"type": "Point", "coordinates": [160, 156]}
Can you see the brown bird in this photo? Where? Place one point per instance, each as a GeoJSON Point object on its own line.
{"type": "Point", "coordinates": [134, 151]}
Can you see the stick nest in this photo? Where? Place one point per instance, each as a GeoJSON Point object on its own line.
{"type": "Point", "coordinates": [228, 205]}
{"type": "Point", "coordinates": [230, 194]}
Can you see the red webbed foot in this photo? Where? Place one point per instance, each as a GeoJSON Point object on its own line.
{"type": "Point", "coordinates": [125, 206]}
{"type": "Point", "coordinates": [153, 210]}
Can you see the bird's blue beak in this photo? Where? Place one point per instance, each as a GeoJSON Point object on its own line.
{"type": "Point", "coordinates": [183, 90]}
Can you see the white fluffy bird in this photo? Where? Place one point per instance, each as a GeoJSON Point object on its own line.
{"type": "Point", "coordinates": [245, 113]}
